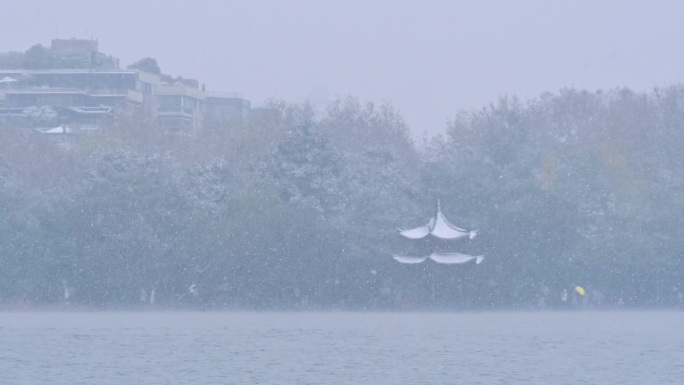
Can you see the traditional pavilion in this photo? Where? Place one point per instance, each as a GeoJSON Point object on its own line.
{"type": "Point", "coordinates": [440, 235]}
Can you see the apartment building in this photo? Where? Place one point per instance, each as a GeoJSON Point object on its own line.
{"type": "Point", "coordinates": [224, 107]}
{"type": "Point", "coordinates": [73, 84]}
{"type": "Point", "coordinates": [76, 96]}
{"type": "Point", "coordinates": [179, 108]}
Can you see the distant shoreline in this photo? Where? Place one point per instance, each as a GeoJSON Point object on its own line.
{"type": "Point", "coordinates": [80, 308]}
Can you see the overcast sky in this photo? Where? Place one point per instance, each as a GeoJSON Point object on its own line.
{"type": "Point", "coordinates": [429, 59]}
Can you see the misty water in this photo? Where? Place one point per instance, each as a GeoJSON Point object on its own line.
{"type": "Point", "coordinates": [629, 347]}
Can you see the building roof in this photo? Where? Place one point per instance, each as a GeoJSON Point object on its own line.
{"type": "Point", "coordinates": [142, 75]}
{"type": "Point", "coordinates": [179, 90]}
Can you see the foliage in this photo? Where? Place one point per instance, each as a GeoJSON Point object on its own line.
{"type": "Point", "coordinates": [37, 57]}
{"type": "Point", "coordinates": [294, 209]}
{"type": "Point", "coordinates": [146, 64]}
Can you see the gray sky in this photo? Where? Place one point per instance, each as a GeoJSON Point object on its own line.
{"type": "Point", "coordinates": [429, 59]}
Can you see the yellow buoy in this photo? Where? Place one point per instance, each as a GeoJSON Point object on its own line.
{"type": "Point", "coordinates": [580, 290]}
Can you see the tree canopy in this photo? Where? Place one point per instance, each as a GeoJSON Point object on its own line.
{"type": "Point", "coordinates": [297, 208]}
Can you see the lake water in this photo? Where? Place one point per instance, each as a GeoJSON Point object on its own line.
{"type": "Point", "coordinates": [342, 348]}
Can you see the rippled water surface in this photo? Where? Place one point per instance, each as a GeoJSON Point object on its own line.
{"type": "Point", "coordinates": [342, 348]}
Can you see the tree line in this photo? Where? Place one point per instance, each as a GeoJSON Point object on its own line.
{"type": "Point", "coordinates": [298, 208]}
